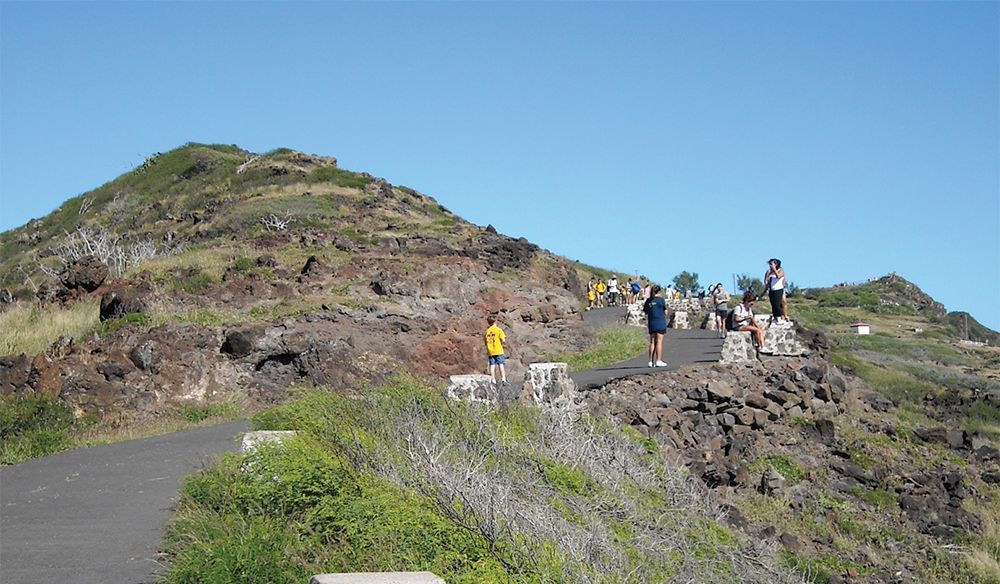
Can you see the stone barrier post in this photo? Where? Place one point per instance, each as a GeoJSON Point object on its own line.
{"type": "Point", "coordinates": [378, 578]}
{"type": "Point", "coordinates": [475, 388]}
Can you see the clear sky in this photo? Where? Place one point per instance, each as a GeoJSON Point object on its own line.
{"type": "Point", "coordinates": [848, 139]}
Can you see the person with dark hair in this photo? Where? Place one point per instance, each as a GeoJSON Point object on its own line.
{"type": "Point", "coordinates": [720, 300]}
{"type": "Point", "coordinates": [656, 323]}
{"type": "Point", "coordinates": [774, 283]}
{"type": "Point", "coordinates": [742, 319]}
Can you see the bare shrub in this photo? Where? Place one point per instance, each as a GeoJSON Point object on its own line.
{"type": "Point", "coordinates": [118, 252]}
{"type": "Point", "coordinates": [574, 498]}
{"type": "Point", "coordinates": [274, 223]}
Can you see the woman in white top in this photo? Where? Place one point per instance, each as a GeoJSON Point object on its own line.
{"type": "Point", "coordinates": [743, 318]}
{"type": "Point", "coordinates": [774, 282]}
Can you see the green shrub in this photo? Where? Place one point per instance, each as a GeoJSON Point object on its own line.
{"type": "Point", "coordinates": [339, 177]}
{"type": "Point", "coordinates": [32, 426]}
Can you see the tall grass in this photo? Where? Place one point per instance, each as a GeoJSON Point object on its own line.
{"type": "Point", "coordinates": [30, 329]}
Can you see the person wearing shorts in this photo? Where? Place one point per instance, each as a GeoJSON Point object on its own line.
{"type": "Point", "coordinates": [494, 338]}
{"type": "Point", "coordinates": [743, 319]}
{"type": "Point", "coordinates": [720, 299]}
{"type": "Point", "coordinates": [656, 323]}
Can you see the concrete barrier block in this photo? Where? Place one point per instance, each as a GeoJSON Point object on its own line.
{"type": "Point", "coordinates": [680, 320]}
{"type": "Point", "coordinates": [378, 578]}
{"type": "Point", "coordinates": [781, 339]}
{"type": "Point", "coordinates": [477, 388]}
{"type": "Point", "coordinates": [547, 384]}
{"type": "Point", "coordinates": [738, 348]}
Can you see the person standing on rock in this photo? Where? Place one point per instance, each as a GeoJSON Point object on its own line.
{"type": "Point", "coordinates": [720, 299]}
{"type": "Point", "coordinates": [743, 319]}
{"type": "Point", "coordinates": [494, 338]}
{"type": "Point", "coordinates": [774, 281]}
{"type": "Point", "coordinates": [656, 323]}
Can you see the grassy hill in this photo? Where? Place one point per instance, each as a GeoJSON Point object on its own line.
{"type": "Point", "coordinates": [334, 303]}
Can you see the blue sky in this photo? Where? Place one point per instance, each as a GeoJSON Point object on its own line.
{"type": "Point", "coordinates": [848, 139]}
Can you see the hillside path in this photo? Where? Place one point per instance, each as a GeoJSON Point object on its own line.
{"type": "Point", "coordinates": [96, 515]}
{"type": "Point", "coordinates": [680, 347]}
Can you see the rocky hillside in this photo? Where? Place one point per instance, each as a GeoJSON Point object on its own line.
{"type": "Point", "coordinates": [211, 273]}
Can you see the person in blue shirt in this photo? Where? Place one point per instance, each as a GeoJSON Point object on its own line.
{"type": "Point", "coordinates": [634, 288]}
{"type": "Point", "coordinates": [656, 323]}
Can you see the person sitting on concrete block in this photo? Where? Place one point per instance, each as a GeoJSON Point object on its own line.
{"type": "Point", "coordinates": [742, 319]}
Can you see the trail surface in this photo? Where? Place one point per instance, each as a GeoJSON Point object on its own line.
{"type": "Point", "coordinates": [680, 347]}
{"type": "Point", "coordinates": [96, 515]}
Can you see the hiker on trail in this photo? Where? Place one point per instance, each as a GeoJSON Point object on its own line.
{"type": "Point", "coordinates": [600, 288]}
{"type": "Point", "coordinates": [634, 288]}
{"type": "Point", "coordinates": [774, 281]}
{"type": "Point", "coordinates": [591, 294]}
{"type": "Point", "coordinates": [720, 300]}
{"type": "Point", "coordinates": [656, 323]}
{"type": "Point", "coordinates": [647, 292]}
{"type": "Point", "coordinates": [742, 319]}
{"type": "Point", "coordinates": [613, 291]}
{"type": "Point", "coordinates": [494, 338]}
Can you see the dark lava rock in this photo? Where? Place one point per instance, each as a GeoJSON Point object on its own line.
{"type": "Point", "coordinates": [6, 297]}
{"type": "Point", "coordinates": [240, 343]}
{"type": "Point", "coordinates": [86, 273]}
{"type": "Point", "coordinates": [267, 261]}
{"type": "Point", "coordinates": [123, 300]}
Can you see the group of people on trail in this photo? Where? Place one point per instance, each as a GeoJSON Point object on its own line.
{"type": "Point", "coordinates": [741, 317]}
{"type": "Point", "coordinates": [602, 293]}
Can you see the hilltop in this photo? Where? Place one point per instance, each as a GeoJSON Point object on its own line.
{"type": "Point", "coordinates": [210, 273]}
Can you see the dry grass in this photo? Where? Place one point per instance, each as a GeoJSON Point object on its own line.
{"type": "Point", "coordinates": [30, 329]}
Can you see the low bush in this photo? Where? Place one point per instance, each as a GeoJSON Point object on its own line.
{"type": "Point", "coordinates": [33, 426]}
{"type": "Point", "coordinates": [401, 479]}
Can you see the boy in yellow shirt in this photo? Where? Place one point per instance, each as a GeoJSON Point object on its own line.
{"type": "Point", "coordinates": [494, 338]}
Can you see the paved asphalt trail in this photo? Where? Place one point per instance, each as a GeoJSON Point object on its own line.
{"type": "Point", "coordinates": [680, 347]}
{"type": "Point", "coordinates": [96, 515]}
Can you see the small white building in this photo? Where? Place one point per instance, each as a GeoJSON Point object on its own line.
{"type": "Point", "coordinates": [860, 328]}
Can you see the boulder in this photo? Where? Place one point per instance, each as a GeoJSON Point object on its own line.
{"type": "Point", "coordinates": [771, 481]}
{"type": "Point", "coordinates": [125, 299]}
{"type": "Point", "coordinates": [738, 348]}
{"type": "Point", "coordinates": [6, 297]}
{"type": "Point", "coordinates": [86, 273]}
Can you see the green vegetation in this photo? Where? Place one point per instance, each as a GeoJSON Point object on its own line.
{"type": "Point", "coordinates": [32, 426]}
{"type": "Point", "coordinates": [792, 472]}
{"type": "Point", "coordinates": [401, 479]}
{"type": "Point", "coordinates": [339, 177]}
{"type": "Point", "coordinates": [38, 425]}
{"type": "Point", "coordinates": [614, 344]}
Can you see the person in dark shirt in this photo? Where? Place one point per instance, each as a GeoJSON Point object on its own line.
{"type": "Point", "coordinates": [656, 323]}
